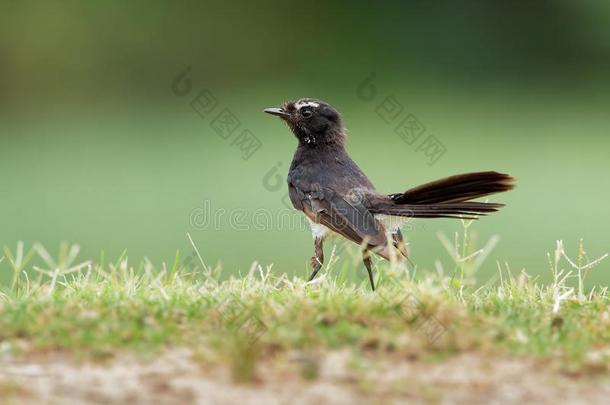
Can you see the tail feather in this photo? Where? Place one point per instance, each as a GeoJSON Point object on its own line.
{"type": "Point", "coordinates": [449, 197]}
{"type": "Point", "coordinates": [465, 210]}
{"type": "Point", "coordinates": [459, 188]}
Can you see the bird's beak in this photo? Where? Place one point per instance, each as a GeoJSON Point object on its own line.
{"type": "Point", "coordinates": [280, 112]}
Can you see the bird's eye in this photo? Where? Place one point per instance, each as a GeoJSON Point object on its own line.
{"type": "Point", "coordinates": [306, 113]}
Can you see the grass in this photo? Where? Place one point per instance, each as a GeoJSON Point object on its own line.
{"type": "Point", "coordinates": [98, 310]}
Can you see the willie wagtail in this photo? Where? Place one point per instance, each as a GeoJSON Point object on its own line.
{"type": "Point", "coordinates": [336, 196]}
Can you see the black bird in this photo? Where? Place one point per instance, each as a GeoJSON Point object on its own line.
{"type": "Point", "coordinates": [336, 197]}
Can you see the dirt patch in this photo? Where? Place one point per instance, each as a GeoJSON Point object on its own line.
{"type": "Point", "coordinates": [178, 378]}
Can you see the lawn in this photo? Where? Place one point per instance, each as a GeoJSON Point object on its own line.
{"type": "Point", "coordinates": [263, 323]}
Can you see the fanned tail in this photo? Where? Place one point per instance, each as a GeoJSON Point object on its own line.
{"type": "Point", "coordinates": [449, 197]}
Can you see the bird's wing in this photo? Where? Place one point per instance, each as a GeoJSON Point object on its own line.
{"type": "Point", "coordinates": [345, 215]}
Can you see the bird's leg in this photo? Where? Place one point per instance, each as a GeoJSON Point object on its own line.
{"type": "Point", "coordinates": [318, 259]}
{"type": "Point", "coordinates": [366, 258]}
{"type": "Point", "coordinates": [399, 243]}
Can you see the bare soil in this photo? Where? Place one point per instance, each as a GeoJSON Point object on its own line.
{"type": "Point", "coordinates": [177, 377]}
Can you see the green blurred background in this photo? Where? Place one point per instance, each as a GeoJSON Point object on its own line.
{"type": "Point", "coordinates": [96, 148]}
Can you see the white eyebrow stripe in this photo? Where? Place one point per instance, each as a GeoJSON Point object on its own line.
{"type": "Point", "coordinates": [301, 104]}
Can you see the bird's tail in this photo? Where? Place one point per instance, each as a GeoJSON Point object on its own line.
{"type": "Point", "coordinates": [449, 197]}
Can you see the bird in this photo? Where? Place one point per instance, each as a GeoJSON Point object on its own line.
{"type": "Point", "coordinates": [335, 195]}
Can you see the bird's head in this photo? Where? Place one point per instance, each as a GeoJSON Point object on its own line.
{"type": "Point", "coordinates": [312, 121]}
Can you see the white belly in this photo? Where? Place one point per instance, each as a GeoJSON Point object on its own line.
{"type": "Point", "coordinates": [318, 230]}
